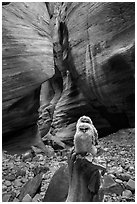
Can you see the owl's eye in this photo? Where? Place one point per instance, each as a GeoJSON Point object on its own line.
{"type": "Point", "coordinates": [80, 128]}
{"type": "Point", "coordinates": [84, 129]}
{"type": "Point", "coordinates": [85, 120]}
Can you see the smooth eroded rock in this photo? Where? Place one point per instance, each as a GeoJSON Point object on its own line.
{"type": "Point", "coordinates": [130, 185]}
{"type": "Point", "coordinates": [97, 51]}
{"type": "Point", "coordinates": [27, 61]}
{"type": "Point", "coordinates": [126, 194]}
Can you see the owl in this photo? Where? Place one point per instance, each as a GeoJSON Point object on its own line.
{"type": "Point", "coordinates": [86, 136]}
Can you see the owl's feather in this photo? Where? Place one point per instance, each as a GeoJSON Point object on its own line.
{"type": "Point", "coordinates": [86, 136]}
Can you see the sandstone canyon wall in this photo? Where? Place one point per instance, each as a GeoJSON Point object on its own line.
{"type": "Point", "coordinates": [27, 61]}
{"type": "Point", "coordinates": [97, 41]}
{"type": "Point", "coordinates": [89, 71]}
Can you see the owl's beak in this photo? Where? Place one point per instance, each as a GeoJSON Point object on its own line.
{"type": "Point", "coordinates": [84, 130]}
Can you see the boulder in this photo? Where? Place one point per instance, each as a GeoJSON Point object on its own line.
{"type": "Point", "coordinates": [77, 181]}
{"type": "Point", "coordinates": [58, 188]}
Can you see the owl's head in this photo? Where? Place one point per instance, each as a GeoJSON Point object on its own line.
{"type": "Point", "coordinates": [84, 128]}
{"type": "Point", "coordinates": [84, 124]}
{"type": "Point", "coordinates": [84, 120]}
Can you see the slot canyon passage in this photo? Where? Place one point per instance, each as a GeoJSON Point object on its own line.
{"type": "Point", "coordinates": [61, 61]}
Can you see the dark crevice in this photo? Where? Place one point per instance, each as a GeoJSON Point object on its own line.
{"type": "Point", "coordinates": [5, 3]}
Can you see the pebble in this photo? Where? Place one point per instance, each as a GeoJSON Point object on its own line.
{"type": "Point", "coordinates": [24, 180]}
{"type": "Point", "coordinates": [42, 189]}
{"type": "Point", "coordinates": [4, 168]}
{"type": "Point", "coordinates": [123, 176]}
{"type": "Point", "coordinates": [119, 170]}
{"type": "Point", "coordinates": [17, 183]}
{"type": "Point", "coordinates": [42, 193]}
{"type": "Point", "coordinates": [4, 188]}
{"type": "Point", "coordinates": [27, 198]}
{"type": "Point", "coordinates": [131, 168]}
{"type": "Point", "coordinates": [108, 181]}
{"type": "Point", "coordinates": [112, 170]}
{"type": "Point", "coordinates": [17, 193]}
{"type": "Point", "coordinates": [10, 177]}
{"type": "Point", "coordinates": [16, 200]}
{"type": "Point", "coordinates": [13, 195]}
{"type": "Point", "coordinates": [123, 152]}
{"type": "Point", "coordinates": [112, 176]}
{"type": "Point", "coordinates": [118, 181]}
{"type": "Point", "coordinates": [39, 169]}
{"type": "Point", "coordinates": [10, 165]}
{"type": "Point", "coordinates": [106, 149]}
{"type": "Point", "coordinates": [126, 194]}
{"type": "Point", "coordinates": [9, 188]}
{"type": "Point", "coordinates": [43, 163]}
{"type": "Point", "coordinates": [17, 159]}
{"type": "Point", "coordinates": [36, 159]}
{"type": "Point", "coordinates": [7, 183]}
{"type": "Point", "coordinates": [130, 185]}
{"type": "Point", "coordinates": [6, 197]}
{"type": "Point", "coordinates": [124, 183]}
{"type": "Point", "coordinates": [127, 166]}
{"type": "Point", "coordinates": [20, 172]}
{"type": "Point", "coordinates": [40, 157]}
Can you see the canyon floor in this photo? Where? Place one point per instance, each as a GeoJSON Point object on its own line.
{"type": "Point", "coordinates": [118, 152]}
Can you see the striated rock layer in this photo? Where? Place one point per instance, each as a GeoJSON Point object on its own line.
{"type": "Point", "coordinates": [27, 61]}
{"type": "Point", "coordinates": [92, 47]}
{"type": "Point", "coordinates": [97, 50]}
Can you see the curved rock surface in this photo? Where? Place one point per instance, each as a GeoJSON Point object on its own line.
{"type": "Point", "coordinates": [97, 41]}
{"type": "Point", "coordinates": [27, 61]}
{"type": "Point", "coordinates": [93, 46]}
